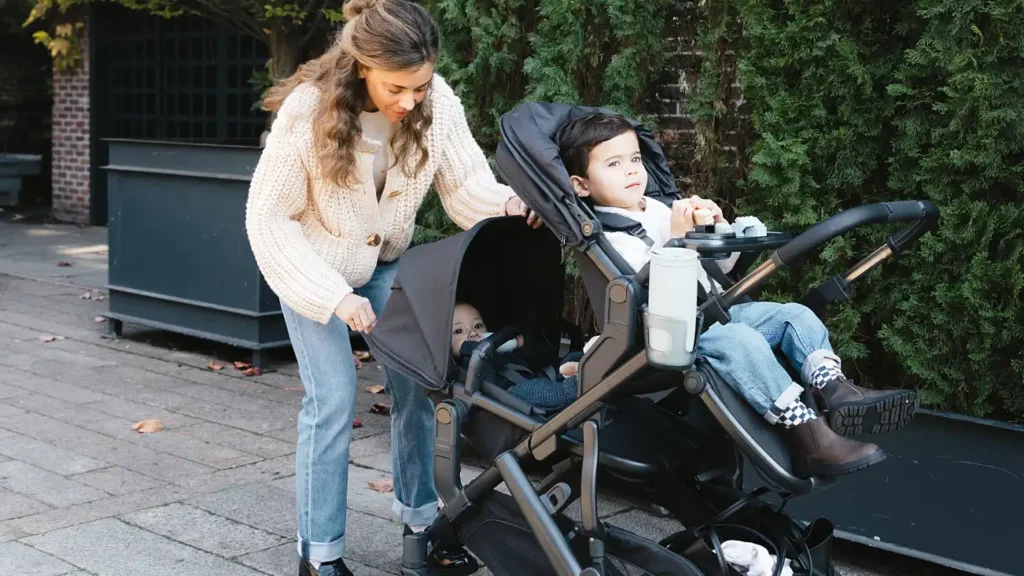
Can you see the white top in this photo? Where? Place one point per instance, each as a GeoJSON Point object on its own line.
{"type": "Point", "coordinates": [379, 128]}
{"type": "Point", "coordinates": [656, 218]}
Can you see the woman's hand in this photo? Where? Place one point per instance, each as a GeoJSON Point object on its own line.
{"type": "Point", "coordinates": [356, 311]}
{"type": "Point", "coordinates": [516, 207]}
{"type": "Point", "coordinates": [681, 220]}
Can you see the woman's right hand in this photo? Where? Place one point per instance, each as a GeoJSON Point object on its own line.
{"type": "Point", "coordinates": [356, 311]}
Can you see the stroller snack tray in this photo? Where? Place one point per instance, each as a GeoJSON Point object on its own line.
{"type": "Point", "coordinates": [721, 245]}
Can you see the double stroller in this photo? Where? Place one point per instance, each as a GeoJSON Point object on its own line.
{"type": "Point", "coordinates": [678, 439]}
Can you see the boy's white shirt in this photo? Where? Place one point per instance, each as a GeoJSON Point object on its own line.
{"type": "Point", "coordinates": [656, 218]}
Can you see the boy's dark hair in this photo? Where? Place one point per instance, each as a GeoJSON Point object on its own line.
{"type": "Point", "coordinates": [579, 136]}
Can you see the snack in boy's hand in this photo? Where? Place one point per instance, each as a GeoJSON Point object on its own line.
{"type": "Point", "coordinates": [703, 217]}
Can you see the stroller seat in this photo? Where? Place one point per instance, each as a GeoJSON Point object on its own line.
{"type": "Point", "coordinates": [681, 451]}
{"type": "Point", "coordinates": [625, 438]}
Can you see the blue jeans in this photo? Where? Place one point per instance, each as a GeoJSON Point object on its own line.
{"type": "Point", "coordinates": [742, 350]}
{"type": "Point", "coordinates": [328, 373]}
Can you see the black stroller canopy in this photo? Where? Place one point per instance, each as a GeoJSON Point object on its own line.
{"type": "Point", "coordinates": [508, 270]}
{"type": "Point", "coordinates": [528, 161]}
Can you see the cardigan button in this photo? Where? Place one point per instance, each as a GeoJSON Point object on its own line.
{"type": "Point", "coordinates": [373, 240]}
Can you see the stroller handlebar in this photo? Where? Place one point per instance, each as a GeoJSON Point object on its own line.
{"type": "Point", "coordinates": [924, 213]}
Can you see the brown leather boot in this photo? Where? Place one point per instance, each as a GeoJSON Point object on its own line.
{"type": "Point", "coordinates": [818, 451]}
{"type": "Point", "coordinates": [853, 410]}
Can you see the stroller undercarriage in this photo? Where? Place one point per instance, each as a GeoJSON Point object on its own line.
{"type": "Point", "coordinates": [683, 452]}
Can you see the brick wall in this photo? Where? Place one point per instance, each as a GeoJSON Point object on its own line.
{"type": "Point", "coordinates": [678, 132]}
{"type": "Point", "coordinates": [71, 142]}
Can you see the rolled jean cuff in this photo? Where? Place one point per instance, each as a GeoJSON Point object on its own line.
{"type": "Point", "coordinates": [782, 402]}
{"type": "Point", "coordinates": [815, 360]}
{"type": "Point", "coordinates": [321, 552]}
{"type": "Point", "coordinates": [422, 516]}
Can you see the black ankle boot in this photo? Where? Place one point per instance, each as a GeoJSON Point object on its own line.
{"type": "Point", "coordinates": [853, 410]}
{"type": "Point", "coordinates": [449, 560]}
{"type": "Point", "coordinates": [335, 568]}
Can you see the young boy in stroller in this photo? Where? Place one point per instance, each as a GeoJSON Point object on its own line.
{"type": "Point", "coordinates": [602, 155]}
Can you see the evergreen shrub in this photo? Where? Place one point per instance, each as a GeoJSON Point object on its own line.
{"type": "Point", "coordinates": [849, 103]}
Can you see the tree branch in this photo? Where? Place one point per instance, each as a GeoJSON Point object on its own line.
{"type": "Point", "coordinates": [234, 15]}
{"type": "Point", "coordinates": [314, 24]}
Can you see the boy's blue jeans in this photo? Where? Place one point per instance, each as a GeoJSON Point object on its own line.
{"type": "Point", "coordinates": [742, 350]}
{"type": "Point", "coordinates": [328, 374]}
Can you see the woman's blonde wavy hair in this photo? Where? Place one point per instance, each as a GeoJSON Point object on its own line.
{"type": "Point", "coordinates": [381, 34]}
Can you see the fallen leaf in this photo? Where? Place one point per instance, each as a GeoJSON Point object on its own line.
{"type": "Point", "coordinates": [148, 426]}
{"type": "Point", "coordinates": [86, 296]}
{"type": "Point", "coordinates": [380, 368]}
{"type": "Point", "coordinates": [357, 423]}
{"type": "Point", "coordinates": [242, 365]}
{"type": "Point", "coordinates": [215, 366]}
{"type": "Point", "coordinates": [380, 408]}
{"type": "Point", "coordinates": [375, 389]}
{"type": "Point", "coordinates": [253, 371]}
{"type": "Point", "coordinates": [99, 297]}
{"type": "Point", "coordinates": [63, 264]}
{"type": "Point", "coordinates": [362, 355]}
{"type": "Point", "coordinates": [99, 319]}
{"type": "Point", "coordinates": [48, 338]}
{"type": "Point", "coordinates": [383, 485]}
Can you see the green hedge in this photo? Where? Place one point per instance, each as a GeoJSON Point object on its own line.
{"type": "Point", "coordinates": [857, 102]}
{"type": "Point", "coordinates": [850, 103]}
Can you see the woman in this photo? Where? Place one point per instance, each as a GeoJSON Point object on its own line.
{"type": "Point", "coordinates": [359, 137]}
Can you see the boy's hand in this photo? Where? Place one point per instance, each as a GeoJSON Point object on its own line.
{"type": "Point", "coordinates": [569, 369]}
{"type": "Point", "coordinates": [681, 221]}
{"type": "Point", "coordinates": [716, 211]}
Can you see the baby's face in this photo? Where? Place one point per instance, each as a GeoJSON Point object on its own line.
{"type": "Point", "coordinates": [467, 326]}
{"type": "Point", "coordinates": [616, 176]}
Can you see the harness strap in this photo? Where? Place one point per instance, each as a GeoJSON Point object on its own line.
{"type": "Point", "coordinates": [715, 271]}
{"type": "Point", "coordinates": [618, 223]}
{"type": "Point", "coordinates": [515, 373]}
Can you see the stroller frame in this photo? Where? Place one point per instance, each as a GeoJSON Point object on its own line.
{"type": "Point", "coordinates": [608, 374]}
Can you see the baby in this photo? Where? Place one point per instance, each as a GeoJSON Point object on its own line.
{"type": "Point", "coordinates": [602, 155]}
{"type": "Point", "coordinates": [551, 393]}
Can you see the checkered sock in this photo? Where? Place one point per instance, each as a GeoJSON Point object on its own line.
{"type": "Point", "coordinates": [795, 414]}
{"type": "Point", "coordinates": [788, 410]}
{"type": "Point", "coordinates": [827, 372]}
{"type": "Point", "coordinates": [821, 367]}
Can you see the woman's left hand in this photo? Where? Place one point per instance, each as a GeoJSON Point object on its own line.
{"type": "Point", "coordinates": [516, 207]}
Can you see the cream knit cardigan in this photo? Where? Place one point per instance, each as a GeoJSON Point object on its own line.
{"type": "Point", "coordinates": [314, 242]}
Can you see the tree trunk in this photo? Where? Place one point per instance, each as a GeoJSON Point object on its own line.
{"type": "Point", "coordinates": [285, 53]}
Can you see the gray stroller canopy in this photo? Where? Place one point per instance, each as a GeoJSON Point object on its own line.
{"type": "Point", "coordinates": [508, 270]}
{"type": "Point", "coordinates": [528, 161]}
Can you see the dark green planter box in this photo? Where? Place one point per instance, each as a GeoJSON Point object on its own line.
{"type": "Point", "coordinates": [14, 168]}
{"type": "Point", "coordinates": [179, 255]}
{"type": "Point", "coordinates": [950, 492]}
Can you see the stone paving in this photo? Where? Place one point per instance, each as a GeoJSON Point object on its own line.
{"type": "Point", "coordinates": [212, 493]}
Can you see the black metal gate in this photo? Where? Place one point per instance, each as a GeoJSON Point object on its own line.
{"type": "Point", "coordinates": [181, 79]}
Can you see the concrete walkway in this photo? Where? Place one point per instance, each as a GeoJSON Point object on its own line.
{"type": "Point", "coordinates": [212, 493]}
